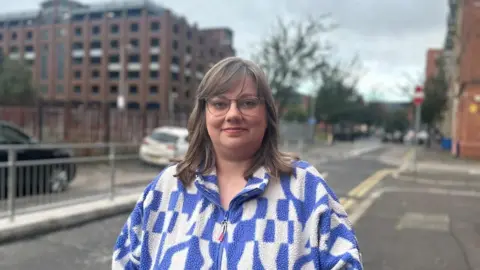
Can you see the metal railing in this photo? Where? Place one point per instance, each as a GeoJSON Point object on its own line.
{"type": "Point", "coordinates": [37, 177]}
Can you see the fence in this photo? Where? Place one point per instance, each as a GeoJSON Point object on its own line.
{"type": "Point", "coordinates": [28, 185]}
{"type": "Point", "coordinates": [296, 136]}
{"type": "Point", "coordinates": [55, 124]}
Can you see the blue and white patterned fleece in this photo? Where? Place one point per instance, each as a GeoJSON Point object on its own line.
{"type": "Point", "coordinates": [294, 223]}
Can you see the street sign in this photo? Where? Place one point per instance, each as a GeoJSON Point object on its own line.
{"type": "Point", "coordinates": [418, 96]}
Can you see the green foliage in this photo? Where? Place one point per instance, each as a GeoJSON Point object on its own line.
{"type": "Point", "coordinates": [436, 96]}
{"type": "Point", "coordinates": [292, 54]}
{"type": "Point", "coordinates": [296, 114]}
{"type": "Point", "coordinates": [16, 84]}
{"type": "Point", "coordinates": [338, 100]}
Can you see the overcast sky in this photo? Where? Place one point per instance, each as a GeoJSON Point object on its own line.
{"type": "Point", "coordinates": [390, 36]}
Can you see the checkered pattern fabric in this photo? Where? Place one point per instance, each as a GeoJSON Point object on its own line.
{"type": "Point", "coordinates": [295, 222]}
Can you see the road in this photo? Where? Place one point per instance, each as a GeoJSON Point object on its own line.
{"type": "Point", "coordinates": [90, 246]}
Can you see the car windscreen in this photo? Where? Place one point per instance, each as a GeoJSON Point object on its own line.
{"type": "Point", "coordinates": [164, 137]}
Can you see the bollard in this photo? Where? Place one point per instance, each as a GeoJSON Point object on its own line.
{"type": "Point", "coordinates": [11, 183]}
{"type": "Point", "coordinates": [111, 158]}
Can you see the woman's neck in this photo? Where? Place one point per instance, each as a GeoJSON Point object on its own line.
{"type": "Point", "coordinates": [232, 166]}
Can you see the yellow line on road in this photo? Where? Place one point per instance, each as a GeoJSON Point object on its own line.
{"type": "Point", "coordinates": [366, 185]}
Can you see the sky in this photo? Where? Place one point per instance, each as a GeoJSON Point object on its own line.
{"type": "Point", "coordinates": [390, 37]}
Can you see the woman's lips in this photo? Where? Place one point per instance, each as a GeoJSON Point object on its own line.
{"type": "Point", "coordinates": [233, 130]}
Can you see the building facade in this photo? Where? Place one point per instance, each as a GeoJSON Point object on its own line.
{"type": "Point", "coordinates": [431, 68]}
{"type": "Point", "coordinates": [462, 47]}
{"type": "Point", "coordinates": [90, 55]}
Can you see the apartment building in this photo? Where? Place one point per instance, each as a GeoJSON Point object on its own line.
{"type": "Point", "coordinates": [462, 47]}
{"type": "Point", "coordinates": [91, 54]}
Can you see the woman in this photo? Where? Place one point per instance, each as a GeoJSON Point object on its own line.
{"type": "Point", "coordinates": [236, 201]}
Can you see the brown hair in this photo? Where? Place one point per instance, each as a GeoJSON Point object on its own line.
{"type": "Point", "coordinates": [200, 155]}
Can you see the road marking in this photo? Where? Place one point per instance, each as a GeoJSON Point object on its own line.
{"type": "Point", "coordinates": [364, 187]}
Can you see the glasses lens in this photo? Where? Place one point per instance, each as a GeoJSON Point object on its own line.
{"type": "Point", "coordinates": [218, 107]}
{"type": "Point", "coordinates": [249, 106]}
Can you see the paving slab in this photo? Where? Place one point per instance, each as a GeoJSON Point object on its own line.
{"type": "Point", "coordinates": [412, 230]}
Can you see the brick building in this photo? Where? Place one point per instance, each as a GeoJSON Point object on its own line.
{"type": "Point", "coordinates": [83, 54]}
{"type": "Point", "coordinates": [431, 68]}
{"type": "Point", "coordinates": [462, 47]}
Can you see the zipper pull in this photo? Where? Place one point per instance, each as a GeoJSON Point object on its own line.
{"type": "Point", "coordinates": [224, 230]}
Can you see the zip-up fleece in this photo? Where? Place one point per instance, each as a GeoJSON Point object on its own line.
{"type": "Point", "coordinates": [294, 222]}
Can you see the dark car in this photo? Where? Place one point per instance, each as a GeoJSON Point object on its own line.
{"type": "Point", "coordinates": [40, 171]}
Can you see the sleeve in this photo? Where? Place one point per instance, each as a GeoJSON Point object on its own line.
{"type": "Point", "coordinates": [128, 247]}
{"type": "Point", "coordinates": [338, 245]}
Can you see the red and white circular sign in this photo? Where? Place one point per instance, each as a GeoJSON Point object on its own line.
{"type": "Point", "coordinates": [418, 96]}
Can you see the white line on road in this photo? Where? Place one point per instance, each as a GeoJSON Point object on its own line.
{"type": "Point", "coordinates": [362, 208]}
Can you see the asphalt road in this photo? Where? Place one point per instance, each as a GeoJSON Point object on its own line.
{"type": "Point", "coordinates": [90, 246]}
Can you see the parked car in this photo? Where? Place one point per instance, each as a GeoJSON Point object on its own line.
{"type": "Point", "coordinates": [164, 146]}
{"type": "Point", "coordinates": [43, 174]}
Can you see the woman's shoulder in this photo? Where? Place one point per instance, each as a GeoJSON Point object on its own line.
{"type": "Point", "coordinates": [307, 177]}
{"type": "Point", "coordinates": [165, 181]}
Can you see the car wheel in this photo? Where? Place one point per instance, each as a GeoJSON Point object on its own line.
{"type": "Point", "coordinates": [58, 180]}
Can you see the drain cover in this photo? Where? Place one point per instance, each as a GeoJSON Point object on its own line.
{"type": "Point", "coordinates": [424, 221]}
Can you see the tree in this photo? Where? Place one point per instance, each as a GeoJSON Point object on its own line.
{"type": "Point", "coordinates": [296, 114]}
{"type": "Point", "coordinates": [16, 84]}
{"type": "Point", "coordinates": [436, 97]}
{"type": "Point", "coordinates": [291, 54]}
{"type": "Point", "coordinates": [337, 97]}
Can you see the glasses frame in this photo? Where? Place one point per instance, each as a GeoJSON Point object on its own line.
{"type": "Point", "coordinates": [207, 102]}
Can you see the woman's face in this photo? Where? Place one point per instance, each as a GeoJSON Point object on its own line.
{"type": "Point", "coordinates": [236, 120]}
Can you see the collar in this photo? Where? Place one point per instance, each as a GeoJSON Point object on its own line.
{"type": "Point", "coordinates": [256, 185]}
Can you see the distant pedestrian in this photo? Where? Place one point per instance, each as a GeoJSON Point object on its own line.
{"type": "Point", "coordinates": [236, 201]}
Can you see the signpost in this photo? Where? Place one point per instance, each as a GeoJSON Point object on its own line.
{"type": "Point", "coordinates": [418, 98]}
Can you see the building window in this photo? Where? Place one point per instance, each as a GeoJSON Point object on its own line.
{"type": "Point", "coordinates": [134, 27]}
{"type": "Point", "coordinates": [134, 42]}
{"type": "Point", "coordinates": [95, 90]}
{"type": "Point", "coordinates": [154, 58]}
{"type": "Point", "coordinates": [114, 44]}
{"type": "Point", "coordinates": [44, 62]}
{"type": "Point", "coordinates": [95, 60]}
{"type": "Point", "coordinates": [189, 35]}
{"type": "Point", "coordinates": [153, 90]}
{"type": "Point", "coordinates": [175, 28]}
{"type": "Point", "coordinates": [113, 89]}
{"type": "Point", "coordinates": [175, 60]}
{"type": "Point", "coordinates": [154, 26]}
{"type": "Point", "coordinates": [14, 36]}
{"type": "Point", "coordinates": [133, 75]}
{"type": "Point", "coordinates": [60, 60]}
{"type": "Point", "coordinates": [78, 31]}
{"type": "Point", "coordinates": [113, 59]}
{"type": "Point", "coordinates": [96, 30]}
{"type": "Point", "coordinates": [77, 89]}
{"type": "Point", "coordinates": [113, 75]}
{"type": "Point", "coordinates": [29, 35]}
{"type": "Point", "coordinates": [133, 89]}
{"type": "Point", "coordinates": [95, 74]}
{"type": "Point", "coordinates": [114, 29]}
{"type": "Point", "coordinates": [154, 42]}
{"type": "Point", "coordinates": [77, 61]}
{"type": "Point", "coordinates": [134, 58]}
{"type": "Point", "coordinates": [188, 49]}
{"type": "Point", "coordinates": [78, 46]}
{"type": "Point", "coordinates": [154, 74]}
{"type": "Point", "coordinates": [77, 74]}
{"type": "Point", "coordinates": [174, 76]}
{"type": "Point", "coordinates": [96, 44]}
{"type": "Point", "coordinates": [175, 45]}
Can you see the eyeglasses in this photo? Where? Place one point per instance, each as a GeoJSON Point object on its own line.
{"type": "Point", "coordinates": [219, 106]}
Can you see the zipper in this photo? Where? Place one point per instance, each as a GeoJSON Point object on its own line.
{"type": "Point", "coordinates": [221, 239]}
{"type": "Point", "coordinates": [224, 229]}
